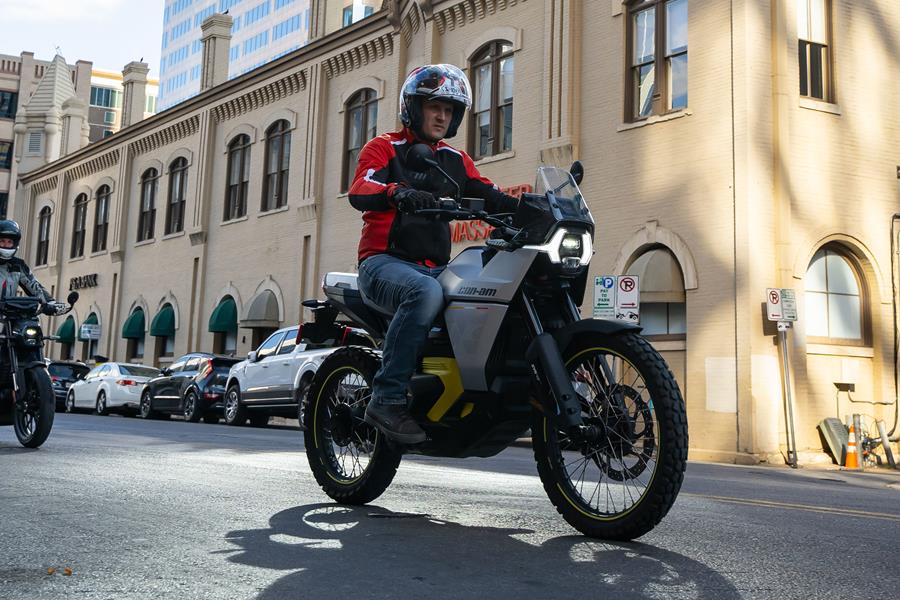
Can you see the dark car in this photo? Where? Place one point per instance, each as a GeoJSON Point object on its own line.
{"type": "Point", "coordinates": [62, 375]}
{"type": "Point", "coordinates": [193, 386]}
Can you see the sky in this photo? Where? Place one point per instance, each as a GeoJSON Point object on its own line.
{"type": "Point", "coordinates": [109, 33]}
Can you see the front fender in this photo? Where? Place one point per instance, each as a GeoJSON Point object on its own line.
{"type": "Point", "coordinates": [603, 327]}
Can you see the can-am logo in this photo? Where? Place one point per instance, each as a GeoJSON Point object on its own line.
{"type": "Point", "coordinates": [474, 291]}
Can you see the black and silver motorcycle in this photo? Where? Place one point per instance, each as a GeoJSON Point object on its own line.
{"type": "Point", "coordinates": [511, 353]}
{"type": "Point", "coordinates": [26, 393]}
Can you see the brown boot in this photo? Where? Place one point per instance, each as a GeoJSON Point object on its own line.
{"type": "Point", "coordinates": [394, 421]}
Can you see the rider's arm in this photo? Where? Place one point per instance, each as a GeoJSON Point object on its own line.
{"type": "Point", "coordinates": [370, 189]}
{"type": "Point", "coordinates": [479, 186]}
{"type": "Point", "coordinates": [32, 286]}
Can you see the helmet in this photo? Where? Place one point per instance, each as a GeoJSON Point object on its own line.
{"type": "Point", "coordinates": [10, 229]}
{"type": "Point", "coordinates": [435, 82]}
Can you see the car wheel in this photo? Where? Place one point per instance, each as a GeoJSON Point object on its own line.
{"type": "Point", "coordinates": [101, 404]}
{"type": "Point", "coordinates": [235, 413]}
{"type": "Point", "coordinates": [146, 408]}
{"type": "Point", "coordinates": [70, 402]}
{"type": "Point", "coordinates": [192, 410]}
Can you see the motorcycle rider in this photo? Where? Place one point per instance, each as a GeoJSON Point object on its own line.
{"type": "Point", "coordinates": [401, 254]}
{"type": "Point", "coordinates": [14, 273]}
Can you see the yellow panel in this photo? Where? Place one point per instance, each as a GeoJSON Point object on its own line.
{"type": "Point", "coordinates": [467, 408]}
{"type": "Point", "coordinates": [448, 372]}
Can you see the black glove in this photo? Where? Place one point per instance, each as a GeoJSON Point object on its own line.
{"type": "Point", "coordinates": [55, 308]}
{"type": "Point", "coordinates": [410, 200]}
{"type": "Point", "coordinates": [509, 204]}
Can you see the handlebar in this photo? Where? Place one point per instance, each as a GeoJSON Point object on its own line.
{"type": "Point", "coordinates": [452, 211]}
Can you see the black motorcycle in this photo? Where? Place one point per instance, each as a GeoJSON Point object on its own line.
{"type": "Point", "coordinates": [26, 393]}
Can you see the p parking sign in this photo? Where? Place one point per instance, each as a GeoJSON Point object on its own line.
{"type": "Point", "coordinates": [605, 297]}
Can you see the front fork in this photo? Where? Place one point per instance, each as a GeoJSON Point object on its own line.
{"type": "Point", "coordinates": [559, 399]}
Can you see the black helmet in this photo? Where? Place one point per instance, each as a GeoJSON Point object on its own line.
{"type": "Point", "coordinates": [10, 229]}
{"type": "Point", "coordinates": [435, 82]}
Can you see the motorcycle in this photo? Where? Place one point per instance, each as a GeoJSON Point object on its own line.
{"type": "Point", "coordinates": [512, 353]}
{"type": "Point", "coordinates": [26, 393]}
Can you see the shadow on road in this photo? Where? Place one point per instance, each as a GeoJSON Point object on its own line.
{"type": "Point", "coordinates": [334, 551]}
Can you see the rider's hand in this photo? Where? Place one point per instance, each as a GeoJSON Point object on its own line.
{"type": "Point", "coordinates": [56, 308]}
{"type": "Point", "coordinates": [410, 200]}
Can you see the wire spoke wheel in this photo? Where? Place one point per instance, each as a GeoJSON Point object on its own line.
{"type": "Point", "coordinates": [618, 476]}
{"type": "Point", "coordinates": [351, 460]}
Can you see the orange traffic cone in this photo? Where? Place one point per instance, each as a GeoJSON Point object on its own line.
{"type": "Point", "coordinates": [851, 461]}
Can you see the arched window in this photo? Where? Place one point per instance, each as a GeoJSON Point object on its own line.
{"type": "Point", "coordinates": [657, 48]}
{"type": "Point", "coordinates": [492, 72]}
{"type": "Point", "coordinates": [361, 113]}
{"type": "Point", "coordinates": [238, 177]}
{"type": "Point", "coordinates": [101, 219]}
{"type": "Point", "coordinates": [177, 193]}
{"type": "Point", "coordinates": [79, 226]}
{"type": "Point", "coordinates": [278, 158]}
{"type": "Point", "coordinates": [147, 217]}
{"type": "Point", "coordinates": [835, 302]}
{"type": "Point", "coordinates": [43, 245]}
{"type": "Point", "coordinates": [661, 283]}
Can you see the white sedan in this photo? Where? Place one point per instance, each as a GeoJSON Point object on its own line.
{"type": "Point", "coordinates": [110, 386]}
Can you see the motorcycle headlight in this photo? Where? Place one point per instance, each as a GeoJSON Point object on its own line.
{"type": "Point", "coordinates": [31, 332]}
{"type": "Point", "coordinates": [575, 249]}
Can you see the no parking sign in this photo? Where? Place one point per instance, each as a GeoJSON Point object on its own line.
{"type": "Point", "coordinates": [617, 297]}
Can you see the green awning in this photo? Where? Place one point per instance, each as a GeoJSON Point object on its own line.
{"type": "Point", "coordinates": [91, 320]}
{"type": "Point", "coordinates": [163, 324]}
{"type": "Point", "coordinates": [66, 331]}
{"type": "Point", "coordinates": [224, 318]}
{"type": "Point", "coordinates": [134, 326]}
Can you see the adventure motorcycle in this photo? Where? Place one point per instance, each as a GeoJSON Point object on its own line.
{"type": "Point", "coordinates": [27, 401]}
{"type": "Point", "coordinates": [511, 352]}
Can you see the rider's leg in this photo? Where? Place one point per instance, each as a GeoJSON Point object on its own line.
{"type": "Point", "coordinates": [415, 297]}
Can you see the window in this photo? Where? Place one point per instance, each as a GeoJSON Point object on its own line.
{"type": "Point", "coordinates": [8, 103]}
{"type": "Point", "coordinates": [6, 155]}
{"type": "Point", "coordinates": [109, 117]}
{"type": "Point", "coordinates": [4, 202]}
{"type": "Point", "coordinates": [151, 105]}
{"type": "Point", "coordinates": [663, 308]}
{"type": "Point", "coordinates": [362, 116]}
{"type": "Point", "coordinates": [834, 300]}
{"type": "Point", "coordinates": [147, 217]}
{"type": "Point", "coordinates": [238, 177]}
{"type": "Point", "coordinates": [492, 68]}
{"type": "Point", "coordinates": [347, 16]}
{"type": "Point", "coordinates": [657, 57]}
{"type": "Point", "coordinates": [106, 97]}
{"type": "Point", "coordinates": [278, 158]}
{"type": "Point", "coordinates": [101, 219]}
{"type": "Point", "coordinates": [268, 347]}
{"type": "Point", "coordinates": [43, 245]}
{"type": "Point", "coordinates": [289, 343]}
{"type": "Point", "coordinates": [368, 11]}
{"type": "Point", "coordinates": [79, 226]}
{"type": "Point", "coordinates": [814, 32]}
{"type": "Point", "coordinates": [177, 193]}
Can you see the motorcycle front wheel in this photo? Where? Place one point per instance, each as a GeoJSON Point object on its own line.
{"type": "Point", "coordinates": [617, 480]}
{"type": "Point", "coordinates": [34, 411]}
{"type": "Point", "coordinates": [351, 460]}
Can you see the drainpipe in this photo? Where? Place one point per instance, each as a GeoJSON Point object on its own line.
{"type": "Point", "coordinates": [894, 251]}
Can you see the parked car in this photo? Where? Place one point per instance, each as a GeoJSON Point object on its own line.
{"type": "Point", "coordinates": [274, 378]}
{"type": "Point", "coordinates": [110, 387]}
{"type": "Point", "coordinates": [63, 374]}
{"type": "Point", "coordinates": [193, 386]}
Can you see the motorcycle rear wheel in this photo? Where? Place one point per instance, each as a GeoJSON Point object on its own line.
{"type": "Point", "coordinates": [33, 418]}
{"type": "Point", "coordinates": [619, 484]}
{"type": "Point", "coordinates": [352, 461]}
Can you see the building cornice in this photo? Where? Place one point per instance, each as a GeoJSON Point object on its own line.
{"type": "Point", "coordinates": [359, 35]}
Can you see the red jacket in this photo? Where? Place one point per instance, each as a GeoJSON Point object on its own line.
{"type": "Point", "coordinates": [382, 170]}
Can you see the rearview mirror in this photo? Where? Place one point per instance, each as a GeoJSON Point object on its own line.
{"type": "Point", "coordinates": [251, 356]}
{"type": "Point", "coordinates": [165, 371]}
{"type": "Point", "coordinates": [577, 171]}
{"type": "Point", "coordinates": [420, 158]}
{"type": "Point", "coordinates": [72, 298]}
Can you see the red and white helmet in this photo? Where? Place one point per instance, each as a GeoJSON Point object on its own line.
{"type": "Point", "coordinates": [435, 82]}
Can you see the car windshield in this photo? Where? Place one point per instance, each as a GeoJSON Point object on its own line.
{"type": "Point", "coordinates": [66, 371]}
{"type": "Point", "coordinates": [138, 371]}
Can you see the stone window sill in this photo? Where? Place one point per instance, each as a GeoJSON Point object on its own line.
{"type": "Point", "coordinates": [280, 209]}
{"type": "Point", "coordinates": [653, 119]}
{"type": "Point", "coordinates": [76, 259]}
{"type": "Point", "coordinates": [495, 158]}
{"type": "Point", "coordinates": [835, 350]}
{"type": "Point", "coordinates": [821, 106]}
{"type": "Point", "coordinates": [170, 236]}
{"type": "Point", "coordinates": [145, 242]}
{"type": "Point", "coordinates": [233, 221]}
{"type": "Point", "coordinates": [99, 253]}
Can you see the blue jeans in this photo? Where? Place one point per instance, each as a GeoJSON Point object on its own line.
{"type": "Point", "coordinates": [412, 293]}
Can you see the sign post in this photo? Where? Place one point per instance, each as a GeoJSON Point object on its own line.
{"type": "Point", "coordinates": [781, 307]}
{"type": "Point", "coordinates": [90, 332]}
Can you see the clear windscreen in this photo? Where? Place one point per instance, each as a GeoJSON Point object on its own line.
{"type": "Point", "coordinates": [569, 201]}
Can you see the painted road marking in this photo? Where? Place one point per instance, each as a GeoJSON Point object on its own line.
{"type": "Point", "coordinates": [807, 507]}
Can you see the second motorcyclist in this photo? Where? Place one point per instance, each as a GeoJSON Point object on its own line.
{"type": "Point", "coordinates": [15, 274]}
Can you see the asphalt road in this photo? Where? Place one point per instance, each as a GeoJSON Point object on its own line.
{"type": "Point", "coordinates": [159, 510]}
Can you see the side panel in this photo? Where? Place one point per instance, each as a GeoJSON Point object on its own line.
{"type": "Point", "coordinates": [466, 279]}
{"type": "Point", "coordinates": [473, 328]}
